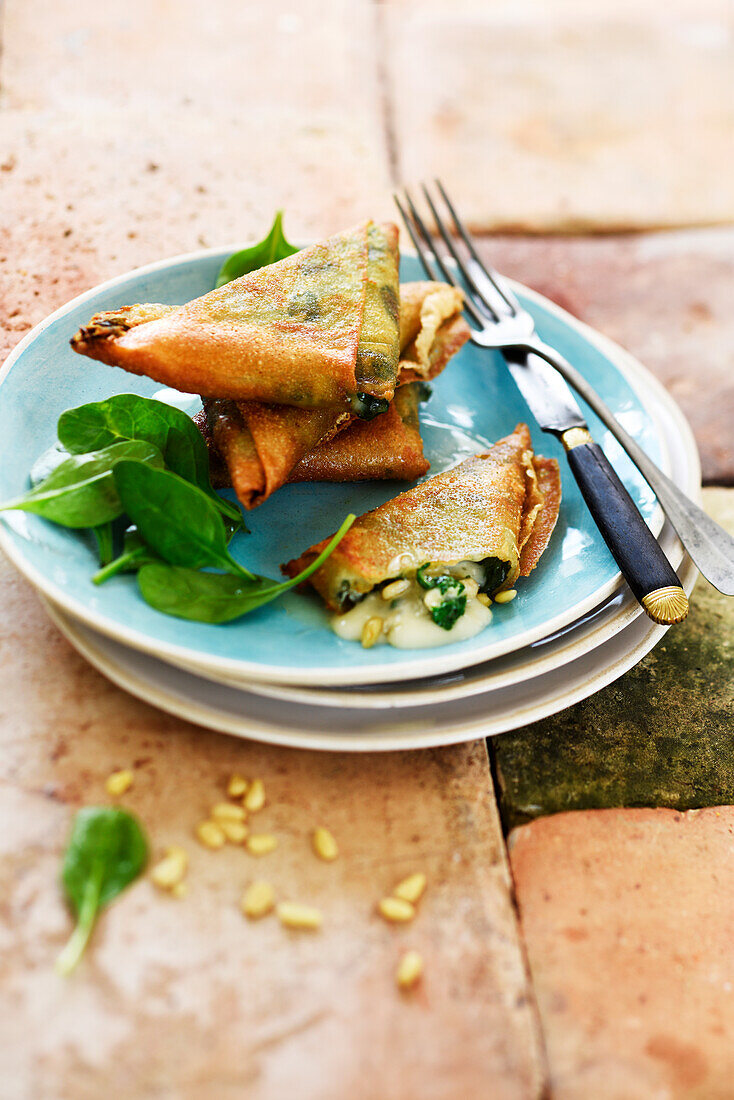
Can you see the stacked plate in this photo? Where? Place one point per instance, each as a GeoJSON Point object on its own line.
{"type": "Point", "coordinates": [279, 674]}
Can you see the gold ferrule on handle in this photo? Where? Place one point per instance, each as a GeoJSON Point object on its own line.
{"type": "Point", "coordinates": [576, 437]}
{"type": "Point", "coordinates": [666, 605]}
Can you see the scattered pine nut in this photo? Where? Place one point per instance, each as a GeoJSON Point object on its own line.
{"type": "Point", "coordinates": [409, 970]}
{"type": "Point", "coordinates": [505, 597]}
{"type": "Point", "coordinates": [169, 871]}
{"type": "Point", "coordinates": [257, 900]}
{"type": "Point", "coordinates": [254, 800]}
{"type": "Point", "coordinates": [411, 888]}
{"type": "Point", "coordinates": [484, 598]}
{"type": "Point", "coordinates": [236, 786]}
{"type": "Point", "coordinates": [324, 844]}
{"type": "Point", "coordinates": [395, 589]}
{"type": "Point", "coordinates": [259, 844]}
{"type": "Point", "coordinates": [396, 910]}
{"type": "Point", "coordinates": [371, 631]}
{"type": "Point", "coordinates": [227, 811]}
{"type": "Point", "coordinates": [119, 782]}
{"type": "Point", "coordinates": [210, 834]}
{"type": "Point", "coordinates": [293, 915]}
{"type": "Point", "coordinates": [234, 831]}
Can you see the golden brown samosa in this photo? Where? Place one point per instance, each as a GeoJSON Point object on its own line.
{"type": "Point", "coordinates": [317, 329]}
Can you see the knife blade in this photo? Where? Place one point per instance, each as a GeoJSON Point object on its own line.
{"type": "Point", "coordinates": [546, 394]}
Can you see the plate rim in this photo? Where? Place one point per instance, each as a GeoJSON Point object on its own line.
{"type": "Point", "coordinates": [396, 740]}
{"type": "Point", "coordinates": [623, 361]}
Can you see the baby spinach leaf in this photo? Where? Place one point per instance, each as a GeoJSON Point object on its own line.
{"type": "Point", "coordinates": [46, 463]}
{"type": "Point", "coordinates": [135, 553]}
{"type": "Point", "coordinates": [179, 522]}
{"type": "Point", "coordinates": [450, 610]}
{"type": "Point", "coordinates": [103, 536]}
{"type": "Point", "coordinates": [274, 247]}
{"type": "Point", "coordinates": [107, 850]}
{"type": "Point", "coordinates": [81, 491]}
{"type": "Point", "coordinates": [129, 416]}
{"type": "Point", "coordinates": [217, 597]}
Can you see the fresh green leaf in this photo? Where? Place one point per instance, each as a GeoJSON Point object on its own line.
{"type": "Point", "coordinates": [103, 536]}
{"type": "Point", "coordinates": [107, 850]}
{"type": "Point", "coordinates": [129, 416]}
{"type": "Point", "coordinates": [217, 597]}
{"type": "Point", "coordinates": [179, 522]}
{"type": "Point", "coordinates": [135, 554]}
{"type": "Point", "coordinates": [47, 463]}
{"type": "Point", "coordinates": [81, 491]}
{"type": "Point", "coordinates": [450, 610]}
{"type": "Point", "coordinates": [274, 247]}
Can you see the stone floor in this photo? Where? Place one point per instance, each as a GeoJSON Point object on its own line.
{"type": "Point", "coordinates": [578, 946]}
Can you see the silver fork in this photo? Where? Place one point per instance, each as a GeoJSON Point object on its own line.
{"type": "Point", "coordinates": [500, 321]}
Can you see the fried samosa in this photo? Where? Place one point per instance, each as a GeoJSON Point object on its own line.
{"type": "Point", "coordinates": [254, 447]}
{"type": "Point", "coordinates": [418, 570]}
{"type": "Point", "coordinates": [317, 329]}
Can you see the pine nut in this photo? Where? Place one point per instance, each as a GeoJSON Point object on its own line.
{"type": "Point", "coordinates": [210, 835]}
{"type": "Point", "coordinates": [371, 631]}
{"type": "Point", "coordinates": [227, 811]}
{"type": "Point", "coordinates": [470, 587]}
{"type": "Point", "coordinates": [254, 800]}
{"type": "Point", "coordinates": [293, 915]}
{"type": "Point", "coordinates": [259, 844]}
{"type": "Point", "coordinates": [235, 831]}
{"type": "Point", "coordinates": [396, 910]}
{"type": "Point", "coordinates": [395, 588]}
{"type": "Point", "coordinates": [505, 597]}
{"type": "Point", "coordinates": [170, 870]}
{"type": "Point", "coordinates": [236, 786]}
{"type": "Point", "coordinates": [484, 598]}
{"type": "Point", "coordinates": [257, 900]}
{"type": "Point", "coordinates": [324, 845]}
{"type": "Point", "coordinates": [119, 782]}
{"type": "Point", "coordinates": [180, 890]}
{"type": "Point", "coordinates": [411, 888]}
{"type": "Point", "coordinates": [409, 970]}
{"type": "Point", "coordinates": [432, 598]}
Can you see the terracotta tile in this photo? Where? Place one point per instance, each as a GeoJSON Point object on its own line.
{"type": "Point", "coordinates": [185, 998]}
{"type": "Point", "coordinates": [662, 735]}
{"type": "Point", "coordinates": [567, 116]}
{"type": "Point", "coordinates": [627, 918]}
{"type": "Point", "coordinates": [664, 296]}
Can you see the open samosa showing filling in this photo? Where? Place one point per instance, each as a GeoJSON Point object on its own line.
{"type": "Point", "coordinates": [256, 448]}
{"type": "Point", "coordinates": [317, 329]}
{"type": "Point", "coordinates": [419, 570]}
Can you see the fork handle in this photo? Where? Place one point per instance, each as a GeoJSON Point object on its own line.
{"type": "Point", "coordinates": [639, 556]}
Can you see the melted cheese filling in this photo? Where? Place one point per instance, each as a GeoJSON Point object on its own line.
{"type": "Point", "coordinates": [406, 619]}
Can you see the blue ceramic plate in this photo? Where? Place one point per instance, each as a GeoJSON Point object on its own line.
{"type": "Point", "coordinates": [474, 402]}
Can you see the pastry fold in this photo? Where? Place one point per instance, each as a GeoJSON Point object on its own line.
{"type": "Point", "coordinates": [317, 329]}
{"type": "Point", "coordinates": [256, 448]}
{"type": "Point", "coordinates": [500, 506]}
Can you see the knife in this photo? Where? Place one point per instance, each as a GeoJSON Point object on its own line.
{"type": "Point", "coordinates": [639, 556]}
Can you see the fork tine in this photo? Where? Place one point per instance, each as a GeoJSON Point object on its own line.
{"type": "Point", "coordinates": [495, 279]}
{"type": "Point", "coordinates": [428, 267]}
{"type": "Point", "coordinates": [491, 307]}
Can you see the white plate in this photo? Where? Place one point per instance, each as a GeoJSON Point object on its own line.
{"type": "Point", "coordinates": [233, 710]}
{"type": "Point", "coordinates": [566, 645]}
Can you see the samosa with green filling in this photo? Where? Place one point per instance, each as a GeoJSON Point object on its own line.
{"type": "Point", "coordinates": [421, 570]}
{"type": "Point", "coordinates": [317, 329]}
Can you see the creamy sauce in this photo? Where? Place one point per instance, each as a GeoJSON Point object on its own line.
{"type": "Point", "coordinates": [407, 622]}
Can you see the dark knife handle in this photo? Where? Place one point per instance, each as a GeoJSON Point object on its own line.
{"type": "Point", "coordinates": [637, 553]}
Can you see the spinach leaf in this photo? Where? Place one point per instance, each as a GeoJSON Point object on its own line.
{"type": "Point", "coordinates": [179, 522]}
{"type": "Point", "coordinates": [129, 416]}
{"type": "Point", "coordinates": [46, 463]}
{"type": "Point", "coordinates": [107, 850]}
{"type": "Point", "coordinates": [135, 553]}
{"type": "Point", "coordinates": [81, 491]}
{"type": "Point", "coordinates": [495, 572]}
{"type": "Point", "coordinates": [217, 597]}
{"type": "Point", "coordinates": [103, 536]}
{"type": "Point", "coordinates": [453, 604]}
{"type": "Point", "coordinates": [273, 247]}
